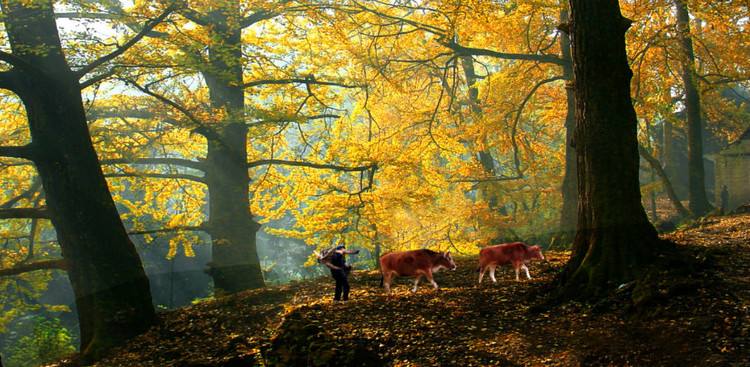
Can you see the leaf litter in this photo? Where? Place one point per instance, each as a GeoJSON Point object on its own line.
{"type": "Point", "coordinates": [702, 319]}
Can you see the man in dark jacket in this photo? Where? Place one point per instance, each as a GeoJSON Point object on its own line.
{"type": "Point", "coordinates": [340, 271]}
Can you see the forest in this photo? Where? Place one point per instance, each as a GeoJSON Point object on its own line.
{"type": "Point", "coordinates": [192, 183]}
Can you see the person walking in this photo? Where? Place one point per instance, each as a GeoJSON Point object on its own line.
{"type": "Point", "coordinates": [724, 200]}
{"type": "Point", "coordinates": [340, 270]}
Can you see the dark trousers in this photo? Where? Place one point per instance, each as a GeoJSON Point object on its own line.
{"type": "Point", "coordinates": [342, 284]}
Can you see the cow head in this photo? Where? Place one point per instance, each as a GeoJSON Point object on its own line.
{"type": "Point", "coordinates": [535, 253]}
{"type": "Point", "coordinates": [447, 261]}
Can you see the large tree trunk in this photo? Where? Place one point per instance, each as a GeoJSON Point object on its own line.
{"type": "Point", "coordinates": [570, 181]}
{"type": "Point", "coordinates": [614, 238]}
{"type": "Point", "coordinates": [111, 289]}
{"type": "Point", "coordinates": [235, 265]}
{"type": "Point", "coordinates": [699, 204]}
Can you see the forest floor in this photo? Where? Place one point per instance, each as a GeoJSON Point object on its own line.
{"type": "Point", "coordinates": [699, 318]}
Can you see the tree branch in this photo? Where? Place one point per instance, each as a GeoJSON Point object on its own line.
{"type": "Point", "coordinates": [202, 227]}
{"type": "Point", "coordinates": [195, 120]}
{"type": "Point", "coordinates": [169, 161]}
{"type": "Point", "coordinates": [684, 212]}
{"type": "Point", "coordinates": [96, 79]}
{"type": "Point", "coordinates": [514, 129]}
{"type": "Point", "coordinates": [310, 80]}
{"type": "Point", "coordinates": [294, 119]}
{"type": "Point", "coordinates": [334, 167]}
{"type": "Point", "coordinates": [174, 176]}
{"type": "Point", "coordinates": [21, 152]}
{"type": "Point", "coordinates": [423, 26]}
{"type": "Point", "coordinates": [24, 213]}
{"type": "Point", "coordinates": [256, 17]}
{"type": "Point", "coordinates": [60, 264]}
{"type": "Point", "coordinates": [16, 61]}
{"type": "Point", "coordinates": [85, 15]}
{"type": "Point", "coordinates": [8, 80]}
{"type": "Point", "coordinates": [195, 17]}
{"type": "Point", "coordinates": [471, 51]}
{"type": "Point", "coordinates": [486, 179]}
{"type": "Point", "coordinates": [36, 184]}
{"type": "Point", "coordinates": [127, 45]}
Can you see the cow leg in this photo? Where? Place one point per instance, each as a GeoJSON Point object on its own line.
{"type": "Point", "coordinates": [517, 267]}
{"type": "Point", "coordinates": [492, 273]}
{"type": "Point", "coordinates": [387, 282]}
{"type": "Point", "coordinates": [416, 282]}
{"type": "Point", "coordinates": [526, 269]}
{"type": "Point", "coordinates": [432, 281]}
{"type": "Point", "coordinates": [481, 273]}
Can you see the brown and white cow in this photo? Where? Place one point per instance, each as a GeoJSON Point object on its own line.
{"type": "Point", "coordinates": [415, 263]}
{"type": "Point", "coordinates": [516, 253]}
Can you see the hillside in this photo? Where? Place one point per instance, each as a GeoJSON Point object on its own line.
{"type": "Point", "coordinates": [695, 318]}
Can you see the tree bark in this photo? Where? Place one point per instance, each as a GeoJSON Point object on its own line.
{"type": "Point", "coordinates": [111, 289]}
{"type": "Point", "coordinates": [614, 238]}
{"type": "Point", "coordinates": [699, 204]}
{"type": "Point", "coordinates": [235, 265]}
{"type": "Point", "coordinates": [570, 180]}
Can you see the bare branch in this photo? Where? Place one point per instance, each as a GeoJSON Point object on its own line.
{"type": "Point", "coordinates": [130, 43]}
{"type": "Point", "coordinates": [60, 264]}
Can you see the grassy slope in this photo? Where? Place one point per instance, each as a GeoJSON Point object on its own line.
{"type": "Point", "coordinates": [700, 319]}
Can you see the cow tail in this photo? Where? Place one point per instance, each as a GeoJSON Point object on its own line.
{"type": "Point", "coordinates": [381, 280]}
{"type": "Point", "coordinates": [478, 269]}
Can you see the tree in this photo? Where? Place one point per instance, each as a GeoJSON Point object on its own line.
{"type": "Point", "coordinates": [235, 265]}
{"type": "Point", "coordinates": [111, 289]}
{"type": "Point", "coordinates": [699, 204]}
{"type": "Point", "coordinates": [210, 47]}
{"type": "Point", "coordinates": [614, 239]}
